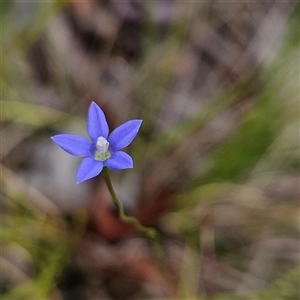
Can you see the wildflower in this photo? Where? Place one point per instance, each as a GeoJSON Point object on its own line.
{"type": "Point", "coordinates": [104, 149]}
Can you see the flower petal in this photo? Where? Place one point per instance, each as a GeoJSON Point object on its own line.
{"type": "Point", "coordinates": [118, 161]}
{"type": "Point", "coordinates": [88, 168]}
{"type": "Point", "coordinates": [96, 123]}
{"type": "Point", "coordinates": [73, 144]}
{"type": "Point", "coordinates": [123, 135]}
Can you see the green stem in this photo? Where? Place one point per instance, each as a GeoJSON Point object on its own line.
{"type": "Point", "coordinates": [147, 231]}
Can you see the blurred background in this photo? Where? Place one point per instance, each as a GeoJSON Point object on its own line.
{"type": "Point", "coordinates": [216, 162]}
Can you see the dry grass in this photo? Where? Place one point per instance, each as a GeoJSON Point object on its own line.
{"type": "Point", "coordinates": [216, 162]}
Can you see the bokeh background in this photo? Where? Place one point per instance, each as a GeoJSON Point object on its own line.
{"type": "Point", "coordinates": [216, 163]}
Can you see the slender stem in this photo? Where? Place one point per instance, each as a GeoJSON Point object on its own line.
{"type": "Point", "coordinates": [147, 231]}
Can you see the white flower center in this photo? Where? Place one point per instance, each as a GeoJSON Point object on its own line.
{"type": "Point", "coordinates": [102, 153]}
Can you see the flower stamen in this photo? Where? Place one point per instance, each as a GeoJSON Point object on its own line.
{"type": "Point", "coordinates": [102, 153]}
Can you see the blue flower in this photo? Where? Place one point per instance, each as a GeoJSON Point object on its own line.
{"type": "Point", "coordinates": [104, 149]}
